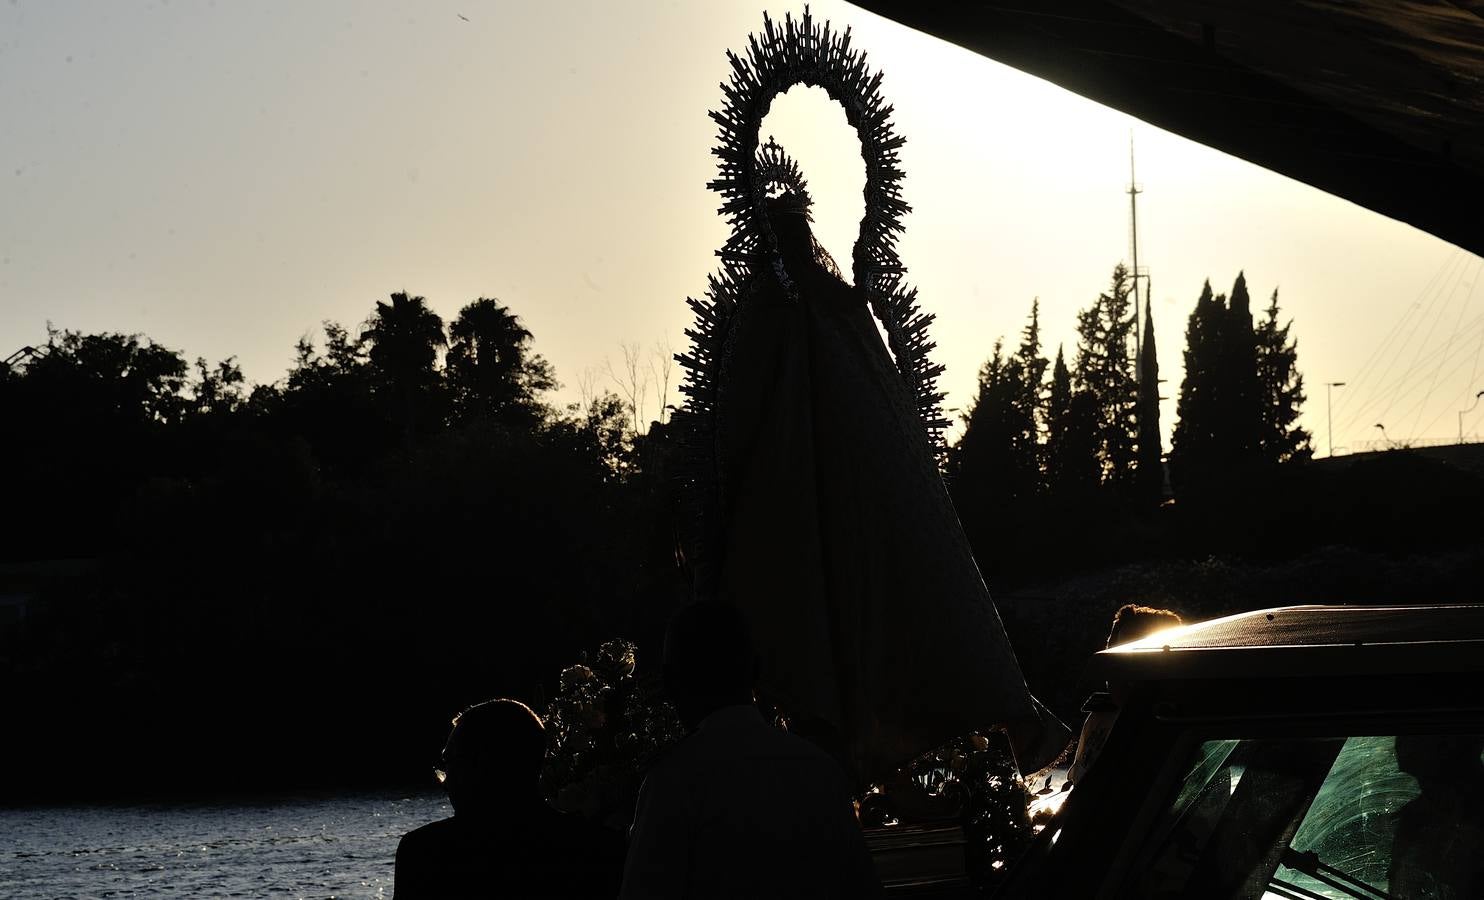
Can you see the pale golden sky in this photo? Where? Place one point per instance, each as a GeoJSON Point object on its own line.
{"type": "Point", "coordinates": [223, 176]}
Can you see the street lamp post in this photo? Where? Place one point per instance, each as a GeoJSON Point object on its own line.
{"type": "Point", "coordinates": [1384, 436]}
{"type": "Point", "coordinates": [1329, 415]}
{"type": "Point", "coordinates": [1462, 412]}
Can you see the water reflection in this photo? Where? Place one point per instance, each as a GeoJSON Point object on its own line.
{"type": "Point", "coordinates": [304, 847]}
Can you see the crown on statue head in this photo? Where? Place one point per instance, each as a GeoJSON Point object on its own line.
{"type": "Point", "coordinates": [789, 203]}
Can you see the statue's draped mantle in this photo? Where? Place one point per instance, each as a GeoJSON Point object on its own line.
{"type": "Point", "coordinates": [817, 502]}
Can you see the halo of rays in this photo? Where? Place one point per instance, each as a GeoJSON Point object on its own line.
{"type": "Point", "coordinates": [804, 52]}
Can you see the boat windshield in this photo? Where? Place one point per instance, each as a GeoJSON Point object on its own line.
{"type": "Point", "coordinates": [1337, 817]}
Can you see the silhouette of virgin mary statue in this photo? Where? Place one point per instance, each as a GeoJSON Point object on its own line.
{"type": "Point", "coordinates": [814, 451]}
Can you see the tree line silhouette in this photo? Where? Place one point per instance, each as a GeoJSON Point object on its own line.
{"type": "Point", "coordinates": [1060, 467]}
{"type": "Point", "coordinates": [296, 583]}
{"type": "Point", "coordinates": [401, 525]}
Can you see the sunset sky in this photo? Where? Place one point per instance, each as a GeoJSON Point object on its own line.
{"type": "Point", "coordinates": [224, 176]}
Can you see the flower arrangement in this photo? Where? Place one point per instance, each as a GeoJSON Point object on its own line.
{"type": "Point", "coordinates": [604, 726]}
{"type": "Point", "coordinates": [970, 780]}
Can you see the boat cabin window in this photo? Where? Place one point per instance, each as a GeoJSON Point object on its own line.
{"type": "Point", "coordinates": [1375, 817]}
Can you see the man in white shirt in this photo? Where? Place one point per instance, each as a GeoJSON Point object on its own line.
{"type": "Point", "coordinates": [739, 808]}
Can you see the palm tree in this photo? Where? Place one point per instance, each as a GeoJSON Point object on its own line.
{"type": "Point", "coordinates": [405, 337]}
{"type": "Point", "coordinates": [491, 366]}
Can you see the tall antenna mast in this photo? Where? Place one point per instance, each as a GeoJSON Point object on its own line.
{"type": "Point", "coordinates": [1133, 220]}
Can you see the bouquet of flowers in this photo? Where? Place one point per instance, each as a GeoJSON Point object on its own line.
{"type": "Point", "coordinates": [603, 727]}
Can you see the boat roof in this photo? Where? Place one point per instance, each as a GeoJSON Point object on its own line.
{"type": "Point", "coordinates": [1307, 641]}
{"type": "Point", "coordinates": [1375, 101]}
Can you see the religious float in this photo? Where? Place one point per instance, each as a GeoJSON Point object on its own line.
{"type": "Point", "coordinates": [813, 452]}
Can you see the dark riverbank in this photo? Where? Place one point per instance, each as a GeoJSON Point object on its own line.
{"type": "Point", "coordinates": [366, 725]}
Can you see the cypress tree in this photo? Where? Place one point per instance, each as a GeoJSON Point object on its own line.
{"type": "Point", "coordinates": [1281, 391]}
{"type": "Point", "coordinates": [1104, 370]}
{"type": "Point", "coordinates": [1238, 425]}
{"type": "Point", "coordinates": [1240, 398]}
{"type": "Point", "coordinates": [1058, 420]}
{"type": "Point", "coordinates": [1150, 471]}
{"type": "Point", "coordinates": [983, 420]}
{"type": "Point", "coordinates": [995, 469]}
{"type": "Point", "coordinates": [1073, 470]}
{"type": "Point", "coordinates": [997, 461]}
{"type": "Point", "coordinates": [1028, 373]}
{"type": "Point", "coordinates": [1194, 438]}
{"type": "Point", "coordinates": [1085, 472]}
{"type": "Point", "coordinates": [981, 464]}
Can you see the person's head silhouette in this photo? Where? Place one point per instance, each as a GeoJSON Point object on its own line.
{"type": "Point", "coordinates": [1133, 622]}
{"type": "Point", "coordinates": [709, 661]}
{"type": "Point", "coordinates": [493, 756]}
{"type": "Point", "coordinates": [1440, 762]}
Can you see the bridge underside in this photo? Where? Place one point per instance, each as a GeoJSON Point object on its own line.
{"type": "Point", "coordinates": [1376, 101]}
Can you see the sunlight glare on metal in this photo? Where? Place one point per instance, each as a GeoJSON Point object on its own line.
{"type": "Point", "coordinates": [1154, 640]}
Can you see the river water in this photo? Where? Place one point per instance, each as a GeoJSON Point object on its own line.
{"type": "Point", "coordinates": [310, 847]}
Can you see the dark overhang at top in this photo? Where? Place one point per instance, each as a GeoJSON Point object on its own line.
{"type": "Point", "coordinates": [1377, 101]}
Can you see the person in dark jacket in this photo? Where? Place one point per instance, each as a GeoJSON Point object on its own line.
{"type": "Point", "coordinates": [740, 808]}
{"type": "Point", "coordinates": [503, 839]}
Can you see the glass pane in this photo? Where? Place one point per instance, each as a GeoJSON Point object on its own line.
{"type": "Point", "coordinates": [1371, 817]}
{"type": "Point", "coordinates": [1226, 827]}
{"type": "Point", "coordinates": [1397, 816]}
{"type": "Point", "coordinates": [1210, 760]}
{"type": "Point", "coordinates": [1351, 823]}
